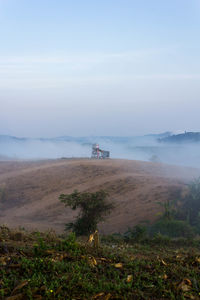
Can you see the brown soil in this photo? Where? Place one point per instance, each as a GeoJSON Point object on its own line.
{"type": "Point", "coordinates": [32, 190]}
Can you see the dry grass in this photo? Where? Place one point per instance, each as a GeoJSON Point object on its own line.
{"type": "Point", "coordinates": [33, 188]}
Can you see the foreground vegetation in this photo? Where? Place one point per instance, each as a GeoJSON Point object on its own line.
{"type": "Point", "coordinates": [45, 266]}
{"type": "Point", "coordinates": [155, 261]}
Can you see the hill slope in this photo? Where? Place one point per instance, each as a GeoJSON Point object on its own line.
{"type": "Point", "coordinates": [32, 190]}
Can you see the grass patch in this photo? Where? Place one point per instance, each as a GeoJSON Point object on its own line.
{"type": "Point", "coordinates": [44, 266]}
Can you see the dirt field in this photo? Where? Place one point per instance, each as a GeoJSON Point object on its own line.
{"type": "Point", "coordinates": [32, 189]}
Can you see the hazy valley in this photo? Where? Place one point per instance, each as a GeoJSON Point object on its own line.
{"type": "Point", "coordinates": [182, 149]}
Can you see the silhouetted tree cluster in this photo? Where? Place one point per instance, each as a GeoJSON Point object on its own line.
{"type": "Point", "coordinates": [190, 208]}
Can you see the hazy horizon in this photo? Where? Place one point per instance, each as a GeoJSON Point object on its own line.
{"type": "Point", "coordinates": [91, 136]}
{"type": "Point", "coordinates": [143, 148]}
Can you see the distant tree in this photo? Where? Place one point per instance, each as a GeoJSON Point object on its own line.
{"type": "Point", "coordinates": [93, 209]}
{"type": "Point", "coordinates": [183, 212]}
{"type": "Point", "coordinates": [169, 209]}
{"type": "Point", "coordinates": [190, 208]}
{"type": "Point", "coordinates": [172, 228]}
{"type": "Point", "coordinates": [173, 222]}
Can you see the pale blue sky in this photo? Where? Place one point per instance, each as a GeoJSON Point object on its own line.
{"type": "Point", "coordinates": [108, 67]}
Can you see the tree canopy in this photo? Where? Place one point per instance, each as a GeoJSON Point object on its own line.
{"type": "Point", "coordinates": [93, 209]}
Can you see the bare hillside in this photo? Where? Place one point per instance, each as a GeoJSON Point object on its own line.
{"type": "Point", "coordinates": [32, 190]}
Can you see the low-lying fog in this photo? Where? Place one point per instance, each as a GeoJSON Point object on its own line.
{"type": "Point", "coordinates": [146, 148]}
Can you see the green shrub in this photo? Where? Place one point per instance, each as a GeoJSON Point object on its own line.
{"type": "Point", "coordinates": [161, 239]}
{"type": "Point", "coordinates": [172, 228]}
{"type": "Point", "coordinates": [137, 233]}
{"type": "Point", "coordinates": [115, 238]}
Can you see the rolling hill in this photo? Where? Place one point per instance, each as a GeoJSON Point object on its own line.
{"type": "Point", "coordinates": [31, 190]}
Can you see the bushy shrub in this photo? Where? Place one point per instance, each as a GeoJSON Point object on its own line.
{"type": "Point", "coordinates": [115, 238]}
{"type": "Point", "coordinates": [137, 233]}
{"type": "Point", "coordinates": [160, 239]}
{"type": "Point", "coordinates": [172, 228]}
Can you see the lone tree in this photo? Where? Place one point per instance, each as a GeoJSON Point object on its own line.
{"type": "Point", "coordinates": [93, 208]}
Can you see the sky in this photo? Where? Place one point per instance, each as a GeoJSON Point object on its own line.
{"type": "Point", "coordinates": [109, 67]}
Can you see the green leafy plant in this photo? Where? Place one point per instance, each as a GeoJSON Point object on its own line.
{"type": "Point", "coordinates": [93, 208]}
{"type": "Point", "coordinates": [41, 246]}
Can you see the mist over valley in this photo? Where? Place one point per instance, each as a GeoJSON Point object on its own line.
{"type": "Point", "coordinates": [182, 149]}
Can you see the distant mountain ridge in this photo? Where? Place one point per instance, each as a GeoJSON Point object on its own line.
{"type": "Point", "coordinates": [5, 138]}
{"type": "Point", "coordinates": [187, 137]}
{"type": "Point", "coordinates": [181, 149]}
{"type": "Point", "coordinates": [86, 139]}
